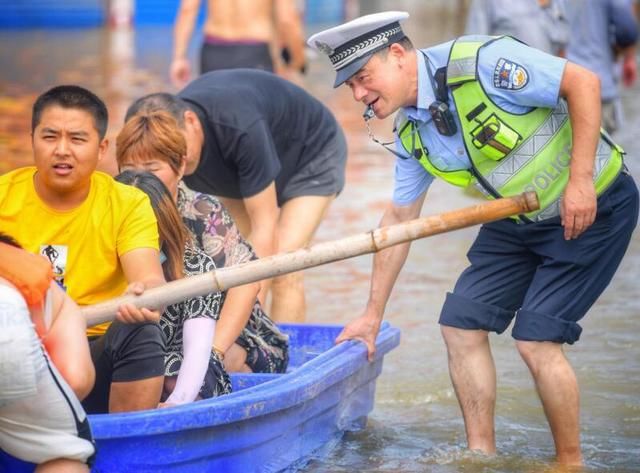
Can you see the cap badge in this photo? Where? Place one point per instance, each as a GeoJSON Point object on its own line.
{"type": "Point", "coordinates": [325, 48]}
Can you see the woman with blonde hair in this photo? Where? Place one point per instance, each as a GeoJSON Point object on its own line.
{"type": "Point", "coordinates": [246, 338]}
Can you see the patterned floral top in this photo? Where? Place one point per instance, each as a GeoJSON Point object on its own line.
{"type": "Point", "coordinates": [216, 233]}
{"type": "Point", "coordinates": [213, 228]}
{"type": "Point", "coordinates": [216, 381]}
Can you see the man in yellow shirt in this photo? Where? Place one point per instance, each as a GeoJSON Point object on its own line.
{"type": "Point", "coordinates": [100, 236]}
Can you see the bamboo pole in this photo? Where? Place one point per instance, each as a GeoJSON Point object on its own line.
{"type": "Point", "coordinates": [322, 253]}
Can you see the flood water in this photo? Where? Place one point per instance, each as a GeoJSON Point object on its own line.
{"type": "Point", "coordinates": [416, 425]}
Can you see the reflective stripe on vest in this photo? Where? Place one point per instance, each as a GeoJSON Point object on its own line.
{"type": "Point", "coordinates": [511, 153]}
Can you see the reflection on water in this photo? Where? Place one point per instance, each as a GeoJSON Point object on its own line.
{"type": "Point", "coordinates": [416, 424]}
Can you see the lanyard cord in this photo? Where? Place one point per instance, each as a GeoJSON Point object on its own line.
{"type": "Point", "coordinates": [387, 145]}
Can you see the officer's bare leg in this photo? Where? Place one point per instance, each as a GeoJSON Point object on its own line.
{"type": "Point", "coordinates": [558, 390]}
{"type": "Point", "coordinates": [473, 374]}
{"type": "Point", "coordinates": [299, 219]}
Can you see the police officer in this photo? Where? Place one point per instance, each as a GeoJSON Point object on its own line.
{"type": "Point", "coordinates": [498, 115]}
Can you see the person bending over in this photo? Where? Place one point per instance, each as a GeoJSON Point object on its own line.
{"type": "Point", "coordinates": [273, 154]}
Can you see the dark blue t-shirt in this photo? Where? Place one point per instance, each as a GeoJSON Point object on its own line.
{"type": "Point", "coordinates": [258, 128]}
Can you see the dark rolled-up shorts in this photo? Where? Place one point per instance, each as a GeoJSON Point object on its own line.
{"type": "Point", "coordinates": [530, 272]}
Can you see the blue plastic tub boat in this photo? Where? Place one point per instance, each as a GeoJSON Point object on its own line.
{"type": "Point", "coordinates": [269, 423]}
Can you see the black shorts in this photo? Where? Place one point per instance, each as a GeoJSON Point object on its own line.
{"type": "Point", "coordinates": [233, 56]}
{"type": "Point", "coordinates": [126, 352]}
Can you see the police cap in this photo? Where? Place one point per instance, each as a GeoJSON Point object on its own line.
{"type": "Point", "coordinates": [351, 45]}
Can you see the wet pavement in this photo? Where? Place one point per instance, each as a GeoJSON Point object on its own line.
{"type": "Point", "coordinates": [416, 425]}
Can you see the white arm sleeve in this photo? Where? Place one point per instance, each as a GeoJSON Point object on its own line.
{"type": "Point", "coordinates": [197, 338]}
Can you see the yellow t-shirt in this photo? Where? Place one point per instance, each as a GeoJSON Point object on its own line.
{"type": "Point", "coordinates": [83, 244]}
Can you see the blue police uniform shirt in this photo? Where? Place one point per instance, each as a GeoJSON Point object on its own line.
{"type": "Point", "coordinates": [541, 89]}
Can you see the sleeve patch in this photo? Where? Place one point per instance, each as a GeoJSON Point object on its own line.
{"type": "Point", "coordinates": [509, 75]}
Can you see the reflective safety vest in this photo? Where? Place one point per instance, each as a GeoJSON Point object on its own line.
{"type": "Point", "coordinates": [510, 153]}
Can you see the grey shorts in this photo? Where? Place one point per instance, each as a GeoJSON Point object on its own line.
{"type": "Point", "coordinates": [40, 417]}
{"type": "Point", "coordinates": [323, 175]}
